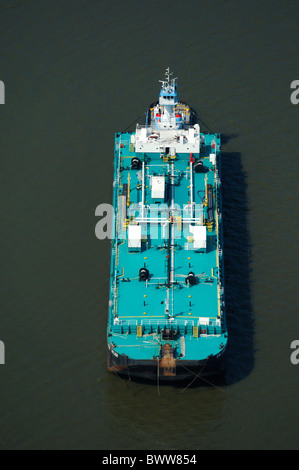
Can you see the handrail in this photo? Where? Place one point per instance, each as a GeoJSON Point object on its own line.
{"type": "Point", "coordinates": [167, 322]}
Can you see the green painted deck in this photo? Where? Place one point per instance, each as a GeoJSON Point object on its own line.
{"type": "Point", "coordinates": [140, 310]}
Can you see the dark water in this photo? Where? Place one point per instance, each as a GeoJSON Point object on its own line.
{"type": "Point", "coordinates": [76, 72]}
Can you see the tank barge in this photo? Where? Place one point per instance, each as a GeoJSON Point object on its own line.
{"type": "Point", "coordinates": [167, 317]}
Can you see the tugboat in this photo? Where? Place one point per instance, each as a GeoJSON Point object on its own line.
{"type": "Point", "coordinates": [167, 318]}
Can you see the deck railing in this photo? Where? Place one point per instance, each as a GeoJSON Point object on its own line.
{"type": "Point", "coordinates": [166, 323]}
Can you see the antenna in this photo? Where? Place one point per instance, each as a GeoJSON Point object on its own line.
{"type": "Point", "coordinates": [168, 74]}
{"type": "Point", "coordinates": [169, 82]}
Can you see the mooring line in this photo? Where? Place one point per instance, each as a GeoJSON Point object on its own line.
{"type": "Point", "coordinates": [198, 376]}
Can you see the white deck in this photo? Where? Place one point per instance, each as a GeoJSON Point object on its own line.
{"type": "Point", "coordinates": [148, 139]}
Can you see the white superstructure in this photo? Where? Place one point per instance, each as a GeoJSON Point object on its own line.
{"type": "Point", "coordinates": [170, 130]}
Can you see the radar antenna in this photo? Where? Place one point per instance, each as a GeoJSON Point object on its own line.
{"type": "Point", "coordinates": [169, 82]}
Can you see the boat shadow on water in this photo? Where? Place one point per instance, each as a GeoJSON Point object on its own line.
{"type": "Point", "coordinates": [237, 254]}
{"type": "Point", "coordinates": [239, 356]}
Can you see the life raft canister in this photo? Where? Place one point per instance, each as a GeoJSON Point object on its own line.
{"type": "Point", "coordinates": [153, 136]}
{"type": "Point", "coordinates": [158, 117]}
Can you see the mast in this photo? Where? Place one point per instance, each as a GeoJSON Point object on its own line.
{"type": "Point", "coordinates": [168, 100]}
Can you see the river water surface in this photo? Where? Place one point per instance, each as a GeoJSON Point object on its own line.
{"type": "Point", "coordinates": [75, 73]}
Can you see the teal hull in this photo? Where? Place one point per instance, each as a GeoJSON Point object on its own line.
{"type": "Point", "coordinates": [167, 315]}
